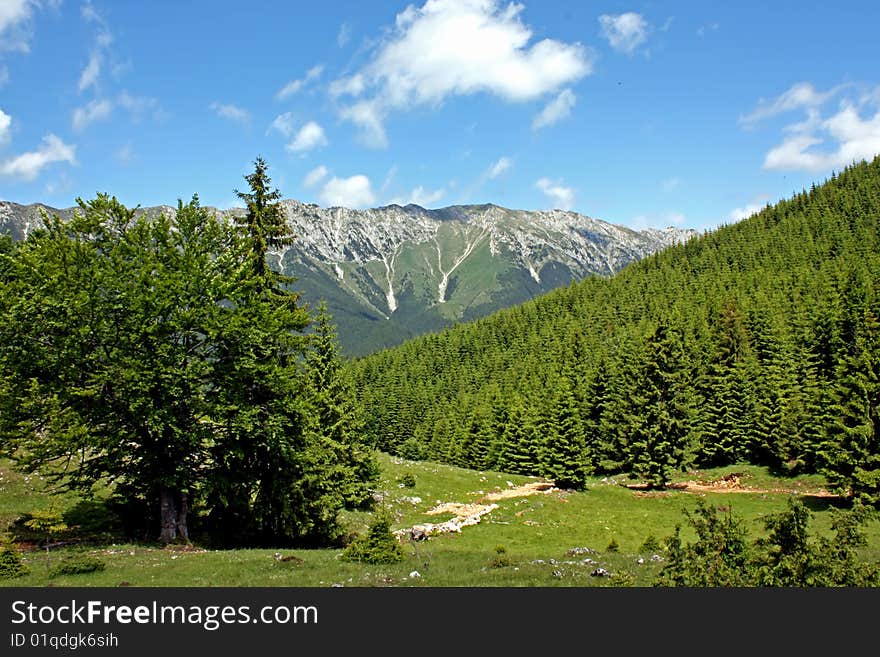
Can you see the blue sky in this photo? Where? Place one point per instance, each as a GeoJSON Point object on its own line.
{"type": "Point", "coordinates": [640, 113]}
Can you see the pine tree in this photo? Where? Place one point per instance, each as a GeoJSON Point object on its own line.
{"type": "Point", "coordinates": [342, 462]}
{"type": "Point", "coordinates": [660, 436]}
{"type": "Point", "coordinates": [851, 455]}
{"type": "Point", "coordinates": [564, 449]}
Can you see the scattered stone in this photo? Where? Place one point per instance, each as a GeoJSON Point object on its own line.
{"type": "Point", "coordinates": [640, 560]}
{"type": "Point", "coordinates": [412, 500]}
{"type": "Point", "coordinates": [538, 561]}
{"type": "Point", "coordinates": [587, 562]}
{"type": "Point", "coordinates": [336, 586]}
{"type": "Point", "coordinates": [415, 574]}
{"type": "Point", "coordinates": [600, 572]}
{"type": "Point", "coordinates": [578, 551]}
{"type": "Point", "coordinates": [557, 573]}
{"type": "Point", "coordinates": [553, 562]}
{"type": "Point", "coordinates": [656, 558]}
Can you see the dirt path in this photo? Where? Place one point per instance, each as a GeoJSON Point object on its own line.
{"type": "Point", "coordinates": [466, 515]}
{"type": "Point", "coordinates": [731, 483]}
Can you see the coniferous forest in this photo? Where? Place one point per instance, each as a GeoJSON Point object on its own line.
{"type": "Point", "coordinates": [756, 343]}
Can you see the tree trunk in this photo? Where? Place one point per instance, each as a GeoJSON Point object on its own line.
{"type": "Point", "coordinates": [173, 507]}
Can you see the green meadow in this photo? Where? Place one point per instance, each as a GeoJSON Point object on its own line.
{"type": "Point", "coordinates": [558, 538]}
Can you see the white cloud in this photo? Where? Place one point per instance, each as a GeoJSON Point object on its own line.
{"type": "Point", "coordinates": [738, 214]}
{"type": "Point", "coordinates": [420, 196]}
{"type": "Point", "coordinates": [367, 115]}
{"type": "Point", "coordinates": [137, 106]}
{"type": "Point", "coordinates": [353, 192]}
{"type": "Point", "coordinates": [457, 47]}
{"type": "Point", "coordinates": [556, 110]}
{"type": "Point", "coordinates": [125, 154]}
{"type": "Point", "coordinates": [624, 32]}
{"type": "Point", "coordinates": [344, 35]}
{"type": "Point", "coordinates": [499, 167]}
{"type": "Point", "coordinates": [315, 176]}
{"type": "Point", "coordinates": [294, 86]}
{"type": "Point", "coordinates": [704, 29]}
{"type": "Point", "coordinates": [310, 136]}
{"type": "Point", "coordinates": [28, 165]}
{"type": "Point", "coordinates": [5, 127]}
{"type": "Point", "coordinates": [15, 17]}
{"type": "Point", "coordinates": [854, 138]}
{"type": "Point", "coordinates": [231, 112]}
{"type": "Point", "coordinates": [92, 71]}
{"type": "Point", "coordinates": [95, 110]}
{"type": "Point", "coordinates": [562, 197]}
{"type": "Point", "coordinates": [283, 123]}
{"type": "Point", "coordinates": [800, 95]}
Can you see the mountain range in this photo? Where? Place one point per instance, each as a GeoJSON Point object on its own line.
{"type": "Point", "coordinates": [393, 272]}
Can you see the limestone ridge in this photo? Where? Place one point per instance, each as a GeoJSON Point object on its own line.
{"type": "Point", "coordinates": [393, 272]}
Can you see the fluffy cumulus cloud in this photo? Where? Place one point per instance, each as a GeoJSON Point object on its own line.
{"type": "Point", "coordinates": [498, 167]}
{"type": "Point", "coordinates": [96, 110]}
{"type": "Point", "coordinates": [310, 136]}
{"type": "Point", "coordinates": [562, 197]}
{"type": "Point", "coordinates": [28, 166]}
{"type": "Point", "coordinates": [556, 110]}
{"type": "Point", "coordinates": [456, 47]}
{"type": "Point", "coordinates": [624, 32]}
{"type": "Point", "coordinates": [824, 139]}
{"type": "Point", "coordinates": [5, 127]}
{"type": "Point", "coordinates": [231, 112]}
{"type": "Point", "coordinates": [353, 192]}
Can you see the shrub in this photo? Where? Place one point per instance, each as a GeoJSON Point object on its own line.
{"type": "Point", "coordinates": [651, 544]}
{"type": "Point", "coordinates": [78, 566]}
{"type": "Point", "coordinates": [378, 546]}
{"type": "Point", "coordinates": [407, 480]}
{"type": "Point", "coordinates": [613, 545]}
{"type": "Point", "coordinates": [10, 563]}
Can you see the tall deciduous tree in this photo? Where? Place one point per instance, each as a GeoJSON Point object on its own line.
{"type": "Point", "coordinates": [105, 353]}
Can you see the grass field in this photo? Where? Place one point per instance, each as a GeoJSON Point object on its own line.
{"type": "Point", "coordinates": [554, 539]}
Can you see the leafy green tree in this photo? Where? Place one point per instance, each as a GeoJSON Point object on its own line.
{"type": "Point", "coordinates": [105, 355]}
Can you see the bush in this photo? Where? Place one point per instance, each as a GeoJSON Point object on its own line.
{"type": "Point", "coordinates": [651, 544]}
{"type": "Point", "coordinates": [10, 563]}
{"type": "Point", "coordinates": [613, 545]}
{"type": "Point", "coordinates": [379, 546]}
{"type": "Point", "coordinates": [407, 480]}
{"type": "Point", "coordinates": [78, 566]}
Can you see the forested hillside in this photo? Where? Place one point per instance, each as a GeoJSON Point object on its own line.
{"type": "Point", "coordinates": [758, 342]}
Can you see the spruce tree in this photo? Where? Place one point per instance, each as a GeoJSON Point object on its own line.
{"type": "Point", "coordinates": [660, 435]}
{"type": "Point", "coordinates": [564, 449]}
{"type": "Point", "coordinates": [342, 463]}
{"type": "Point", "coordinates": [851, 455]}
